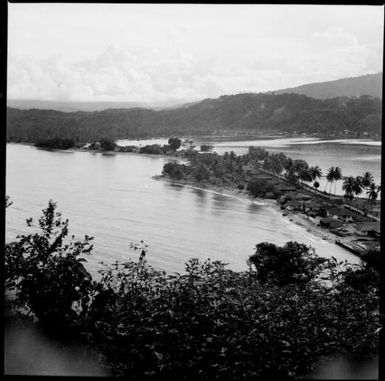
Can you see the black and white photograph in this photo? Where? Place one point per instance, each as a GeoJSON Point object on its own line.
{"type": "Point", "coordinates": [193, 191]}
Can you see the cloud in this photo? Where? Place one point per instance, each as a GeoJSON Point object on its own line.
{"type": "Point", "coordinates": [334, 37]}
{"type": "Point", "coordinates": [336, 53]}
{"type": "Point", "coordinates": [116, 74]}
{"type": "Point", "coordinates": [143, 74]}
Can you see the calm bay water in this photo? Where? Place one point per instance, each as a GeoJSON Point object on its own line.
{"type": "Point", "coordinates": [114, 198]}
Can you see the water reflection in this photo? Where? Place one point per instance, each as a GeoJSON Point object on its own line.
{"type": "Point", "coordinates": [108, 154]}
{"type": "Point", "coordinates": [219, 204]}
{"type": "Point", "coordinates": [253, 207]}
{"type": "Point", "coordinates": [201, 199]}
{"type": "Point", "coordinates": [177, 187]}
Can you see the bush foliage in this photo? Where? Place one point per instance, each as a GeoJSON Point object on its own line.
{"type": "Point", "coordinates": [174, 143]}
{"type": "Point", "coordinates": [107, 144]}
{"type": "Point", "coordinates": [292, 263]}
{"type": "Point", "coordinates": [47, 273]}
{"type": "Point", "coordinates": [175, 170]}
{"type": "Point", "coordinates": [274, 321]}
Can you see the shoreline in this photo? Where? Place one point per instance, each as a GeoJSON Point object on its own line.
{"type": "Point", "coordinates": [301, 220]}
{"type": "Point", "coordinates": [293, 217]}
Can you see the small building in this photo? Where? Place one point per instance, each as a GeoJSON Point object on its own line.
{"type": "Point", "coordinates": [294, 206]}
{"type": "Point", "coordinates": [311, 207]}
{"type": "Point", "coordinates": [337, 201]}
{"type": "Point", "coordinates": [342, 214]}
{"type": "Point", "coordinates": [330, 222]}
{"type": "Point", "coordinates": [302, 197]}
{"type": "Point", "coordinates": [375, 211]}
{"type": "Point", "coordinates": [260, 177]}
{"type": "Point", "coordinates": [252, 171]}
{"type": "Point", "coordinates": [372, 229]}
{"type": "Point", "coordinates": [286, 196]}
{"type": "Point", "coordinates": [340, 232]}
{"type": "Point", "coordinates": [286, 188]}
{"type": "Point", "coordinates": [324, 210]}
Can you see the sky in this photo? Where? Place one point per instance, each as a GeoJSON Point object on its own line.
{"type": "Point", "coordinates": [180, 52]}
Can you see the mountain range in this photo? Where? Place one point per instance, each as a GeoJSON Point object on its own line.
{"type": "Point", "coordinates": [242, 113]}
{"type": "Point", "coordinates": [370, 84]}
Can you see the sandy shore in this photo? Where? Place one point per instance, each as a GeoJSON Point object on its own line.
{"type": "Point", "coordinates": [310, 225]}
{"type": "Point", "coordinates": [299, 219]}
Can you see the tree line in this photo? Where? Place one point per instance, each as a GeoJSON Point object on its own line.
{"type": "Point", "coordinates": [230, 168]}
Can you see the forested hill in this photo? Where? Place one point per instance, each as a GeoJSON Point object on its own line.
{"type": "Point", "coordinates": [370, 84]}
{"type": "Point", "coordinates": [231, 113]}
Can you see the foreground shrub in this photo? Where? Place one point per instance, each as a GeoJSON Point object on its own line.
{"type": "Point", "coordinates": [292, 263]}
{"type": "Point", "coordinates": [207, 323]}
{"type": "Point", "coordinates": [212, 323]}
{"type": "Point", "coordinates": [46, 273]}
{"type": "Point", "coordinates": [367, 277]}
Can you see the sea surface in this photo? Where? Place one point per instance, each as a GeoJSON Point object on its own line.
{"type": "Point", "coordinates": [115, 199]}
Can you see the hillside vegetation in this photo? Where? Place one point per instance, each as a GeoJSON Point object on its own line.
{"type": "Point", "coordinates": [249, 113]}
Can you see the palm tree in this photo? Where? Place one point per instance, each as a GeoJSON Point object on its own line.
{"type": "Point", "coordinates": [330, 178]}
{"type": "Point", "coordinates": [357, 185]}
{"type": "Point", "coordinates": [367, 181]}
{"type": "Point", "coordinates": [291, 176]}
{"type": "Point", "coordinates": [257, 153]}
{"type": "Point", "coordinates": [315, 172]}
{"type": "Point", "coordinates": [304, 175]}
{"type": "Point", "coordinates": [274, 163]}
{"type": "Point", "coordinates": [372, 193]}
{"type": "Point", "coordinates": [337, 176]}
{"type": "Point", "coordinates": [300, 165]}
{"type": "Point", "coordinates": [288, 164]}
{"type": "Point", "coordinates": [348, 186]}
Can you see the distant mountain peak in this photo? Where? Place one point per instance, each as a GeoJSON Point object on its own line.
{"type": "Point", "coordinates": [369, 84]}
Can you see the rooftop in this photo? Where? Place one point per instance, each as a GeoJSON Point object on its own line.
{"type": "Point", "coordinates": [368, 226]}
